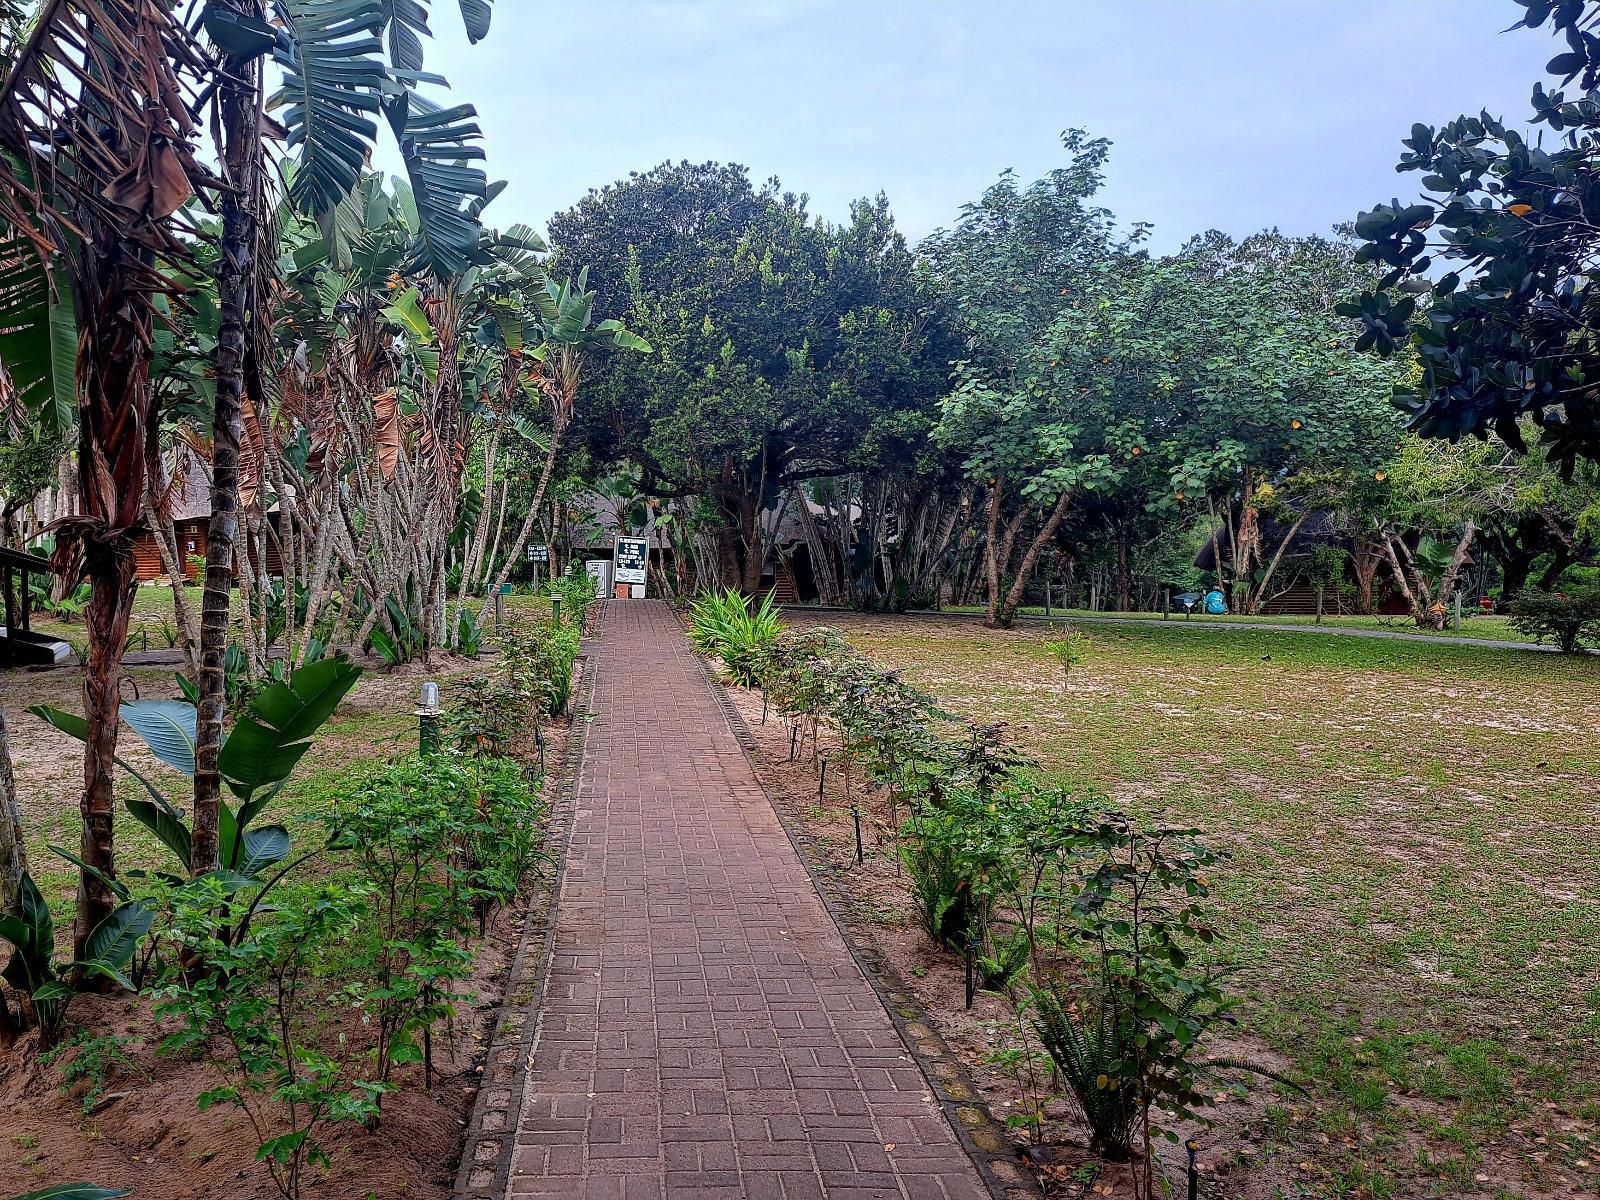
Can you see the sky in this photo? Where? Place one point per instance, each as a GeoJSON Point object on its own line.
{"type": "Point", "coordinates": [1225, 114]}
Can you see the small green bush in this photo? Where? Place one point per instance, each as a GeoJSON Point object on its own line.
{"type": "Point", "coordinates": [1569, 619]}
{"type": "Point", "coordinates": [724, 625]}
{"type": "Point", "coordinates": [578, 594]}
{"type": "Point", "coordinates": [1067, 646]}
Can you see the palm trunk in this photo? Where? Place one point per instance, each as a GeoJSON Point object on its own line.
{"type": "Point", "coordinates": [527, 523]}
{"type": "Point", "coordinates": [114, 406]}
{"type": "Point", "coordinates": [167, 547]}
{"type": "Point", "coordinates": [13, 854]}
{"type": "Point", "coordinates": [239, 100]}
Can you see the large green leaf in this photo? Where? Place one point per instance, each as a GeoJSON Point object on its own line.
{"type": "Point", "coordinates": [435, 144]}
{"type": "Point", "coordinates": [32, 933]}
{"type": "Point", "coordinates": [270, 738]}
{"type": "Point", "coordinates": [167, 727]}
{"type": "Point", "coordinates": [263, 847]}
{"type": "Point", "coordinates": [333, 77]}
{"type": "Point", "coordinates": [168, 827]}
{"type": "Point", "coordinates": [77, 1191]}
{"type": "Point", "coordinates": [475, 15]}
{"type": "Point", "coordinates": [38, 335]}
{"type": "Point", "coordinates": [113, 941]}
{"type": "Point", "coordinates": [407, 22]}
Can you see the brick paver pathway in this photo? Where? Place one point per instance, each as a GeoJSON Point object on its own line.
{"type": "Point", "coordinates": [705, 1032]}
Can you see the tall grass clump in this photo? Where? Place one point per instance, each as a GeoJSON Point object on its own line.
{"type": "Point", "coordinates": [726, 626]}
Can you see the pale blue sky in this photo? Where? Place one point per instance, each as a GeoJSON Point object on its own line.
{"type": "Point", "coordinates": [1229, 114]}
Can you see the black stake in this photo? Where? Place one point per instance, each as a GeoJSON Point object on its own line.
{"type": "Point", "coordinates": [763, 708]}
{"type": "Point", "coordinates": [856, 813]}
{"type": "Point", "coordinates": [794, 735]}
{"type": "Point", "coordinates": [822, 781]}
{"type": "Point", "coordinates": [972, 949]}
{"type": "Point", "coordinates": [427, 1042]}
{"type": "Point", "coordinates": [1194, 1171]}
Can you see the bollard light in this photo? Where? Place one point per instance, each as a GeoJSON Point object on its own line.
{"type": "Point", "coordinates": [428, 719]}
{"type": "Point", "coordinates": [555, 610]}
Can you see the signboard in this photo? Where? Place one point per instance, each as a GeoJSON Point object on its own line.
{"type": "Point", "coordinates": [597, 569]}
{"type": "Point", "coordinates": [538, 554]}
{"type": "Point", "coordinates": [633, 557]}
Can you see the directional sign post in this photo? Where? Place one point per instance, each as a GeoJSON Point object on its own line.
{"type": "Point", "coordinates": [632, 564]}
{"type": "Point", "coordinates": [539, 556]}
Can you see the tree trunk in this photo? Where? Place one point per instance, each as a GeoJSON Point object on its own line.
{"type": "Point", "coordinates": [114, 407]}
{"type": "Point", "coordinates": [13, 854]}
{"type": "Point", "coordinates": [528, 522]}
{"type": "Point", "coordinates": [13, 865]}
{"type": "Point", "coordinates": [1458, 559]}
{"type": "Point", "coordinates": [1260, 597]}
{"type": "Point", "coordinates": [166, 540]}
{"type": "Point", "coordinates": [1013, 600]}
{"type": "Point", "coordinates": [991, 552]}
{"type": "Point", "coordinates": [1124, 571]}
{"type": "Point", "coordinates": [239, 99]}
{"type": "Point", "coordinates": [1364, 562]}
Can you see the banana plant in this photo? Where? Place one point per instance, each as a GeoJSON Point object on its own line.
{"type": "Point", "coordinates": [33, 970]}
{"type": "Point", "coordinates": [259, 755]}
{"type": "Point", "coordinates": [338, 76]}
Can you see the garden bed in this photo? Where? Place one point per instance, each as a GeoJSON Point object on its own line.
{"type": "Point", "coordinates": [132, 1119]}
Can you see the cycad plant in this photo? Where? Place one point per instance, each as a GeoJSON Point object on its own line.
{"type": "Point", "coordinates": [725, 626]}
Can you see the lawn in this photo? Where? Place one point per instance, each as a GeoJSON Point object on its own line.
{"type": "Point", "coordinates": [1414, 882]}
{"type": "Point", "coordinates": [1484, 627]}
{"type": "Point", "coordinates": [154, 627]}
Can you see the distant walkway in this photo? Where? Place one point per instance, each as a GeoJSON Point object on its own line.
{"type": "Point", "coordinates": [705, 1031]}
{"type": "Point", "coordinates": [1224, 626]}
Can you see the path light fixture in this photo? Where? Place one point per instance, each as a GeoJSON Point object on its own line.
{"type": "Point", "coordinates": [555, 610]}
{"type": "Point", "coordinates": [428, 719]}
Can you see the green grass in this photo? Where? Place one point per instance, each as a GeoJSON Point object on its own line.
{"type": "Point", "coordinates": [1414, 880]}
{"type": "Point", "coordinates": [155, 627]}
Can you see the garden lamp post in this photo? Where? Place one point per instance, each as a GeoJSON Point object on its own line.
{"type": "Point", "coordinates": [428, 719]}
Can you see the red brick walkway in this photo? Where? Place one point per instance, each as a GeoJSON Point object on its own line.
{"type": "Point", "coordinates": [705, 1031]}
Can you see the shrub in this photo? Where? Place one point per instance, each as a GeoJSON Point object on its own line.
{"type": "Point", "coordinates": [578, 594]}
{"type": "Point", "coordinates": [1128, 1035]}
{"type": "Point", "coordinates": [1569, 619]}
{"type": "Point", "coordinates": [487, 716]}
{"type": "Point", "coordinates": [538, 662]}
{"type": "Point", "coordinates": [1068, 646]}
{"type": "Point", "coordinates": [724, 625]}
{"type": "Point", "coordinates": [943, 868]}
{"type": "Point", "coordinates": [50, 986]}
{"type": "Point", "coordinates": [255, 1013]}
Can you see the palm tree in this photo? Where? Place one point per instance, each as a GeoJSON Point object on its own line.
{"type": "Point", "coordinates": [99, 107]}
{"type": "Point", "coordinates": [561, 329]}
{"type": "Point", "coordinates": [97, 163]}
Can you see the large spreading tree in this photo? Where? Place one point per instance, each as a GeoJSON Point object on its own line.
{"type": "Point", "coordinates": [781, 341]}
{"type": "Point", "coordinates": [1490, 272]}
